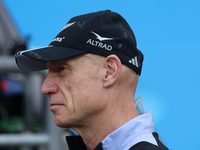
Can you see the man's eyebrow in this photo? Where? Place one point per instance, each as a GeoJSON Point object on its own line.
{"type": "Point", "coordinates": [58, 63]}
{"type": "Point", "coordinates": [53, 64]}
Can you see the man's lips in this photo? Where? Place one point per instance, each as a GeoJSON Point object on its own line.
{"type": "Point", "coordinates": [55, 106]}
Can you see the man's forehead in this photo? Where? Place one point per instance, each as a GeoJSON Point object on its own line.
{"type": "Point", "coordinates": [83, 58]}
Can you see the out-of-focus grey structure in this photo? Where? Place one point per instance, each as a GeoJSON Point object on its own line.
{"type": "Point", "coordinates": [52, 137]}
{"type": "Point", "coordinates": [9, 35]}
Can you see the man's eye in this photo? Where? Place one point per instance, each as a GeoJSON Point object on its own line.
{"type": "Point", "coordinates": [62, 68]}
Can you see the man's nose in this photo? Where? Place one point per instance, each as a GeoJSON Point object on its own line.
{"type": "Point", "coordinates": [49, 86]}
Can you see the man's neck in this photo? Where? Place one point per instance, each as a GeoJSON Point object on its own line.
{"type": "Point", "coordinates": [104, 124]}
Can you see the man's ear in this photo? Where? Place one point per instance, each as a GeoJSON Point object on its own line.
{"type": "Point", "coordinates": [112, 66]}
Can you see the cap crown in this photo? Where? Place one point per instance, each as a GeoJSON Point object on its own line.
{"type": "Point", "coordinates": [102, 33]}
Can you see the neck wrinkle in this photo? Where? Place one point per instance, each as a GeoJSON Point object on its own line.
{"type": "Point", "coordinates": [104, 124]}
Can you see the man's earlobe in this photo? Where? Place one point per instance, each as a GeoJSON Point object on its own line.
{"type": "Point", "coordinates": [112, 65]}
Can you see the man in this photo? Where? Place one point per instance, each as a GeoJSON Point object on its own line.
{"type": "Point", "coordinates": [94, 66]}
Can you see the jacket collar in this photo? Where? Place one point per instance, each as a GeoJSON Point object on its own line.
{"type": "Point", "coordinates": [76, 143]}
{"type": "Point", "coordinates": [127, 135]}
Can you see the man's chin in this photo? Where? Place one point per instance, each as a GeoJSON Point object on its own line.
{"type": "Point", "coordinates": [61, 124]}
{"type": "Point", "coordinates": [58, 122]}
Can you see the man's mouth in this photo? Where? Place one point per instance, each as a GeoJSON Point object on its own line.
{"type": "Point", "coordinates": [55, 106]}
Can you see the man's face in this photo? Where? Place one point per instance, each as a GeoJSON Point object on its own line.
{"type": "Point", "coordinates": [74, 87]}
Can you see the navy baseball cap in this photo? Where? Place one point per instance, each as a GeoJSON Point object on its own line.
{"type": "Point", "coordinates": [103, 33]}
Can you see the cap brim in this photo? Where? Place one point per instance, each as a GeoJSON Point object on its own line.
{"type": "Point", "coordinates": [36, 59]}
